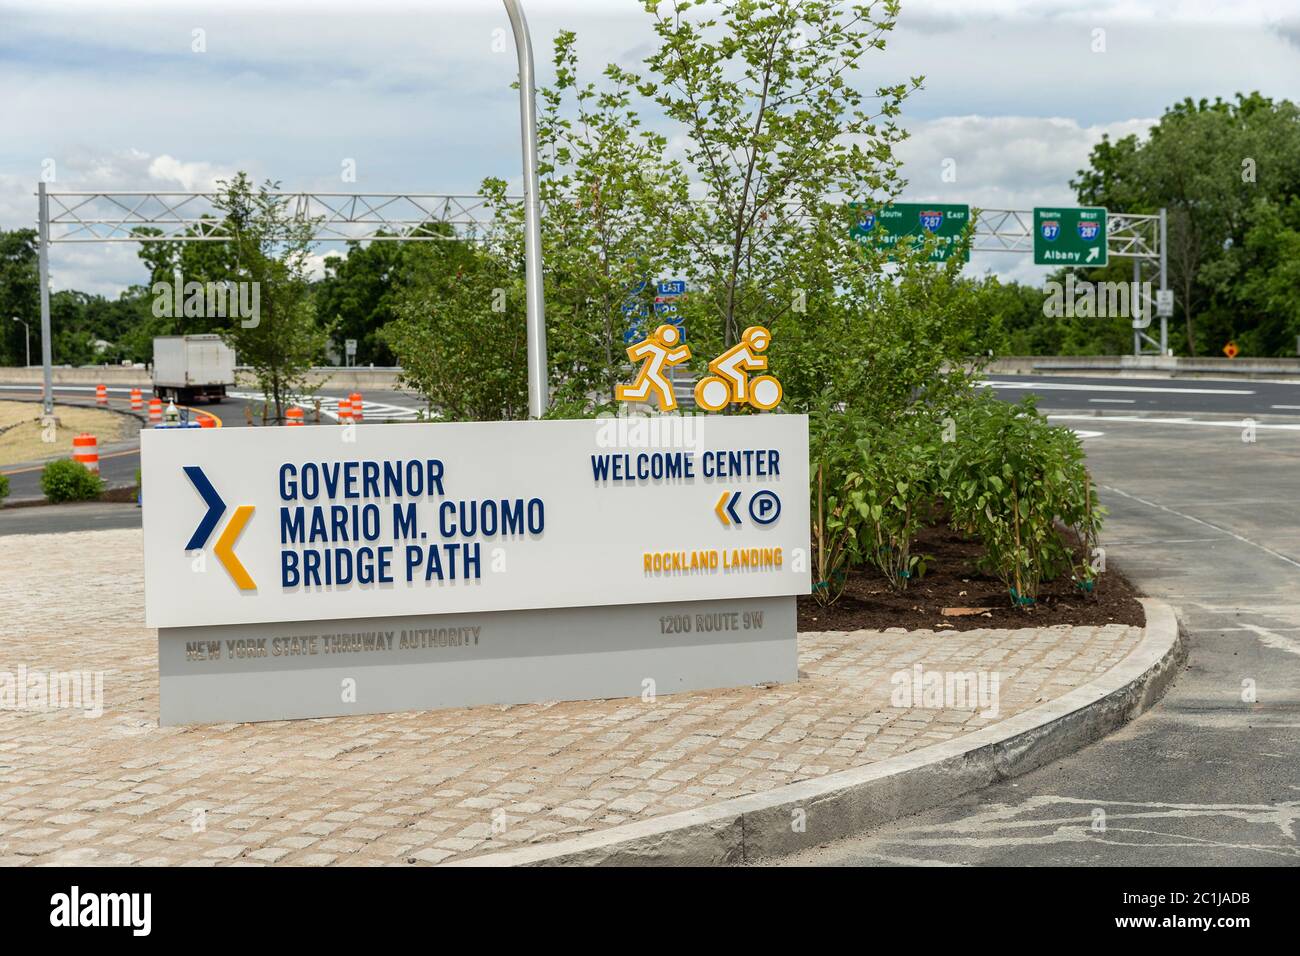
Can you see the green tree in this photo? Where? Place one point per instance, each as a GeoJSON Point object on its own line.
{"type": "Point", "coordinates": [20, 290]}
{"type": "Point", "coordinates": [1263, 278]}
{"type": "Point", "coordinates": [459, 337]}
{"type": "Point", "coordinates": [1018, 309]}
{"type": "Point", "coordinates": [174, 261]}
{"type": "Point", "coordinates": [607, 193]}
{"type": "Point", "coordinates": [888, 343]}
{"type": "Point", "coordinates": [1208, 164]}
{"type": "Point", "coordinates": [776, 133]}
{"type": "Point", "coordinates": [1030, 327]}
{"type": "Point", "coordinates": [361, 290]}
{"type": "Point", "coordinates": [269, 247]}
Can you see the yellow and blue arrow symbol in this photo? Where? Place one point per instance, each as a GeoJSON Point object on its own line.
{"type": "Point", "coordinates": [725, 509]}
{"type": "Point", "coordinates": [225, 546]}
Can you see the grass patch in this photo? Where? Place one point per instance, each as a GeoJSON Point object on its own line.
{"type": "Point", "coordinates": [24, 441]}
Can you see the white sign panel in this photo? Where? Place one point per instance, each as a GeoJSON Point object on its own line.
{"type": "Point", "coordinates": [1164, 303]}
{"type": "Point", "coordinates": [256, 525]}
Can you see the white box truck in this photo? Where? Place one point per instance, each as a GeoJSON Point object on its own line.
{"type": "Point", "coordinates": [192, 368]}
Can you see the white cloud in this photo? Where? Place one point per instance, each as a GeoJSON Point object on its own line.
{"type": "Point", "coordinates": [1237, 12]}
{"type": "Point", "coordinates": [1002, 162]}
{"type": "Point", "coordinates": [79, 168]}
{"type": "Point", "coordinates": [189, 177]}
{"type": "Point", "coordinates": [414, 92]}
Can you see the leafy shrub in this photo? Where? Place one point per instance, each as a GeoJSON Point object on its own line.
{"type": "Point", "coordinates": [836, 479]}
{"type": "Point", "coordinates": [896, 494]}
{"type": "Point", "coordinates": [872, 361]}
{"type": "Point", "coordinates": [1008, 478]}
{"type": "Point", "coordinates": [4, 488]}
{"type": "Point", "coordinates": [68, 480]}
{"type": "Point", "coordinates": [873, 489]}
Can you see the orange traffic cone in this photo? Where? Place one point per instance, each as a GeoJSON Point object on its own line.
{"type": "Point", "coordinates": [85, 449]}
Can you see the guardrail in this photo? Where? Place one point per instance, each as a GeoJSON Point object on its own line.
{"type": "Point", "coordinates": [1154, 366]}
{"type": "Point", "coordinates": [325, 377]}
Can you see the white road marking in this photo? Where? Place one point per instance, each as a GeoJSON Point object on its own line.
{"type": "Point", "coordinates": [1162, 541]}
{"type": "Point", "coordinates": [1115, 401]}
{"type": "Point", "coordinates": [1231, 534]}
{"type": "Point", "coordinates": [1249, 628]}
{"type": "Point", "coordinates": [1075, 387]}
{"type": "Point", "coordinates": [1233, 423]}
{"type": "Point", "coordinates": [1295, 408]}
{"type": "Point", "coordinates": [1273, 639]}
{"type": "Point", "coordinates": [1069, 820]}
{"type": "Point", "coordinates": [370, 411]}
{"type": "Point", "coordinates": [37, 387]}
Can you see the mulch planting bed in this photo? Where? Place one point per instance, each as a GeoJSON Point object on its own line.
{"type": "Point", "coordinates": [125, 493]}
{"type": "Point", "coordinates": [953, 581]}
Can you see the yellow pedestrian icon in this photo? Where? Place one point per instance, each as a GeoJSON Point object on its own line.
{"type": "Point", "coordinates": [730, 382]}
{"type": "Point", "coordinates": [663, 349]}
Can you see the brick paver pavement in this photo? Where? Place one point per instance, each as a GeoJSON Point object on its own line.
{"type": "Point", "coordinates": [440, 785]}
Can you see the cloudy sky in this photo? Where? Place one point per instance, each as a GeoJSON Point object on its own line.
{"type": "Point", "coordinates": [417, 93]}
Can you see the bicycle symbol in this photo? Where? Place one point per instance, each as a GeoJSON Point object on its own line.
{"type": "Point", "coordinates": [730, 382]}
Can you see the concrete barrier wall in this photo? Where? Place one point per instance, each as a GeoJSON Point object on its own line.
{"type": "Point", "coordinates": [339, 379]}
{"type": "Point", "coordinates": [331, 379]}
{"type": "Point", "coordinates": [94, 375]}
{"type": "Point", "coordinates": [1153, 366]}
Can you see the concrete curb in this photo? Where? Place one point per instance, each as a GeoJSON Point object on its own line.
{"type": "Point", "coordinates": [1146, 366]}
{"type": "Point", "coordinates": [852, 801]}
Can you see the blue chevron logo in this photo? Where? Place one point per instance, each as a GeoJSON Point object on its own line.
{"type": "Point", "coordinates": [216, 507]}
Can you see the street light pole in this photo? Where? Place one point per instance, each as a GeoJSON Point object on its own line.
{"type": "Point", "coordinates": [535, 306]}
{"type": "Point", "coordinates": [1164, 278]}
{"type": "Point", "coordinates": [28, 335]}
{"type": "Point", "coordinates": [43, 248]}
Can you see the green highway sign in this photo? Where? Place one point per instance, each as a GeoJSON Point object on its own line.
{"type": "Point", "coordinates": [883, 226]}
{"type": "Point", "coordinates": [1069, 236]}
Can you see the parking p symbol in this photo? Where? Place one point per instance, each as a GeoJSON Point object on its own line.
{"type": "Point", "coordinates": [764, 507]}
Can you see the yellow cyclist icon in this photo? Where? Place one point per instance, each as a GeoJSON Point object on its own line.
{"type": "Point", "coordinates": [663, 349]}
{"type": "Point", "coordinates": [730, 381]}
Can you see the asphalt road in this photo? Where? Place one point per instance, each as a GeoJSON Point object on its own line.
{"type": "Point", "coordinates": [117, 466]}
{"type": "Point", "coordinates": [74, 516]}
{"type": "Point", "coordinates": [1207, 778]}
{"type": "Point", "coordinates": [1136, 396]}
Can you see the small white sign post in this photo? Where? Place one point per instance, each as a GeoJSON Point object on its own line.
{"type": "Point", "coordinates": [1164, 303]}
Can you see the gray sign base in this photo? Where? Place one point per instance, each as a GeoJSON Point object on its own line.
{"type": "Point", "coordinates": [250, 672]}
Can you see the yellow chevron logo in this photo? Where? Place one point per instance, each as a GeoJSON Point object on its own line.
{"type": "Point", "coordinates": [225, 548]}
